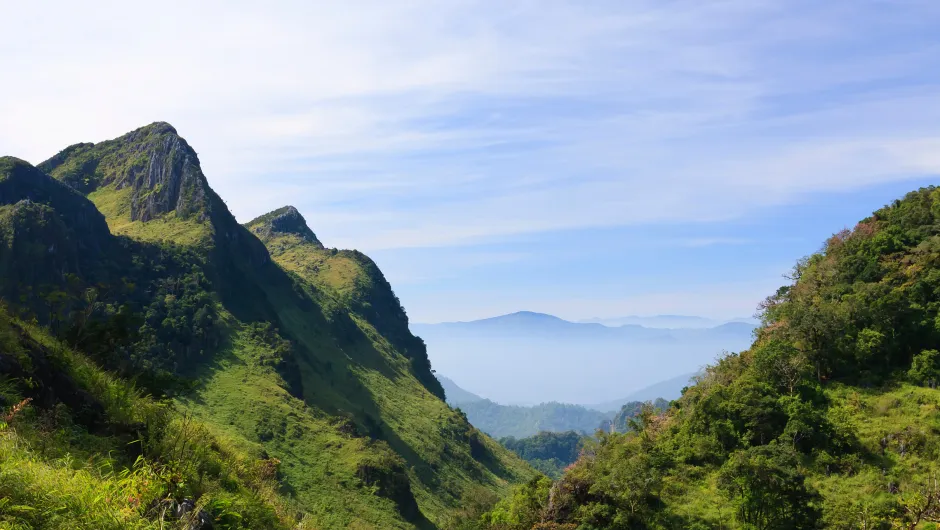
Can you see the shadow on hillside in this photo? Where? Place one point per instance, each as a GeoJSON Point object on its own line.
{"type": "Point", "coordinates": [328, 352]}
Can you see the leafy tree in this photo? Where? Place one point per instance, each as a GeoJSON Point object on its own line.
{"type": "Point", "coordinates": [925, 368]}
{"type": "Point", "coordinates": [523, 509]}
{"type": "Point", "coordinates": [548, 452]}
{"type": "Point", "coordinates": [768, 490]}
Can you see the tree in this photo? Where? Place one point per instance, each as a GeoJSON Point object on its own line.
{"type": "Point", "coordinates": [523, 509]}
{"type": "Point", "coordinates": [768, 490]}
{"type": "Point", "coordinates": [782, 364]}
{"type": "Point", "coordinates": [925, 368]}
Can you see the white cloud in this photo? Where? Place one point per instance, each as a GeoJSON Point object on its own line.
{"type": "Point", "coordinates": [419, 123]}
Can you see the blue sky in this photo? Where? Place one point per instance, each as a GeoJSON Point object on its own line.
{"type": "Point", "coordinates": [579, 158]}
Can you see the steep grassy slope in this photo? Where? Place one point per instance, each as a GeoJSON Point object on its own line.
{"type": "Point", "coordinates": [349, 278]}
{"type": "Point", "coordinates": [447, 454]}
{"type": "Point", "coordinates": [831, 419]}
{"type": "Point", "coordinates": [189, 303]}
{"type": "Point", "coordinates": [80, 448]}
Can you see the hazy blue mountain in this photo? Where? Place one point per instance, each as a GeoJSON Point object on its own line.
{"type": "Point", "coordinates": [669, 389]}
{"type": "Point", "coordinates": [665, 321]}
{"type": "Point", "coordinates": [656, 321]}
{"type": "Point", "coordinates": [528, 357]}
{"type": "Point", "coordinates": [455, 394]}
{"type": "Point", "coordinates": [521, 421]}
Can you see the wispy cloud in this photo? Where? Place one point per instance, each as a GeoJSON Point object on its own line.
{"type": "Point", "coordinates": [698, 242]}
{"type": "Point", "coordinates": [417, 124]}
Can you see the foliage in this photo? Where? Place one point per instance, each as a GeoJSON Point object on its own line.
{"type": "Point", "coordinates": [123, 465]}
{"type": "Point", "coordinates": [767, 489]}
{"type": "Point", "coordinates": [629, 411]}
{"type": "Point", "coordinates": [523, 509]}
{"type": "Point", "coordinates": [816, 425]}
{"type": "Point", "coordinates": [547, 452]}
{"type": "Point", "coordinates": [925, 368]}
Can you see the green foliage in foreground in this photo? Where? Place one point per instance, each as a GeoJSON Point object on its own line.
{"type": "Point", "coordinates": [88, 450]}
{"type": "Point", "coordinates": [622, 422]}
{"type": "Point", "coordinates": [830, 420]}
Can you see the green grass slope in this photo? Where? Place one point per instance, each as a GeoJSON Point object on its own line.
{"type": "Point", "coordinates": [830, 420]}
{"type": "Point", "coordinates": [322, 378]}
{"type": "Point", "coordinates": [447, 458]}
{"type": "Point", "coordinates": [82, 448]}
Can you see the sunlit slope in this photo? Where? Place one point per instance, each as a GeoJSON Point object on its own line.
{"type": "Point", "coordinates": [318, 372]}
{"type": "Point", "coordinates": [447, 457]}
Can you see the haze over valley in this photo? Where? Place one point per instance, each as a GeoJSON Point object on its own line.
{"type": "Point", "coordinates": [528, 358]}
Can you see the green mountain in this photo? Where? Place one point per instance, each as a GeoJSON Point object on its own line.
{"type": "Point", "coordinates": [622, 421]}
{"type": "Point", "coordinates": [180, 358]}
{"type": "Point", "coordinates": [669, 389]}
{"type": "Point", "coordinates": [455, 394]}
{"type": "Point", "coordinates": [549, 452]}
{"type": "Point", "coordinates": [530, 422]}
{"type": "Point", "coordinates": [831, 419]}
{"type": "Point", "coordinates": [522, 421]}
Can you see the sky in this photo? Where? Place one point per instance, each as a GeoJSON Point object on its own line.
{"type": "Point", "coordinates": [577, 158]}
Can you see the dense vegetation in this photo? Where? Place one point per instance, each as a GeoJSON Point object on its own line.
{"type": "Point", "coordinates": [552, 451]}
{"type": "Point", "coordinates": [830, 419]}
{"type": "Point", "coordinates": [273, 384]}
{"type": "Point", "coordinates": [80, 448]}
{"type": "Point", "coordinates": [624, 420]}
{"type": "Point", "coordinates": [549, 452]}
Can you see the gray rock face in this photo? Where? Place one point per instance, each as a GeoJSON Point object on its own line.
{"type": "Point", "coordinates": [290, 221]}
{"type": "Point", "coordinates": [193, 521]}
{"type": "Point", "coordinates": [169, 179]}
{"type": "Point", "coordinates": [160, 168]}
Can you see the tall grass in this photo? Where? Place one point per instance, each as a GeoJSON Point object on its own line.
{"type": "Point", "coordinates": [149, 457]}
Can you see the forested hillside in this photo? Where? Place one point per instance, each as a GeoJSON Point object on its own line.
{"type": "Point", "coordinates": [831, 419]}
{"type": "Point", "coordinates": [520, 421]}
{"type": "Point", "coordinates": [549, 452]}
{"type": "Point", "coordinates": [159, 356]}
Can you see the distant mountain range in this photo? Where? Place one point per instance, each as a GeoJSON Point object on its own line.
{"type": "Point", "coordinates": [665, 321]}
{"type": "Point", "coordinates": [455, 394]}
{"type": "Point", "coordinates": [522, 421]}
{"type": "Point", "coordinates": [528, 358]}
{"type": "Point", "coordinates": [669, 390]}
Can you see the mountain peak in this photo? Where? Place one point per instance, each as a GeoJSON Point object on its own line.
{"type": "Point", "coordinates": [284, 220]}
{"type": "Point", "coordinates": [159, 127]}
{"type": "Point", "coordinates": [9, 163]}
{"type": "Point", "coordinates": [148, 172]}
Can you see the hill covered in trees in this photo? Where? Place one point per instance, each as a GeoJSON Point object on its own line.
{"type": "Point", "coordinates": [549, 452]}
{"type": "Point", "coordinates": [517, 421]}
{"type": "Point", "coordinates": [521, 421]}
{"type": "Point", "coordinates": [163, 364]}
{"type": "Point", "coordinates": [831, 419]}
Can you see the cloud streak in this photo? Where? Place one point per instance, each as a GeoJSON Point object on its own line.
{"type": "Point", "coordinates": [429, 124]}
